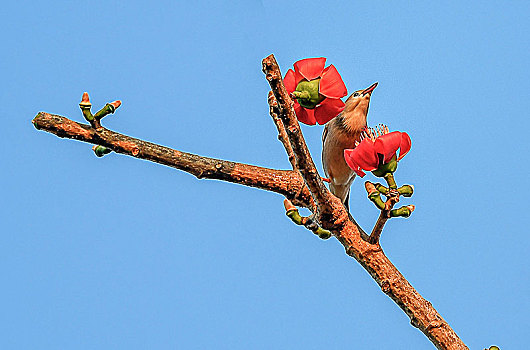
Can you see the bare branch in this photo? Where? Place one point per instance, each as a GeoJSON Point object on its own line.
{"type": "Point", "coordinates": [274, 111]}
{"type": "Point", "coordinates": [285, 182]}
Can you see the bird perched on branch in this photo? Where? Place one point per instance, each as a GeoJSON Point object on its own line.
{"type": "Point", "coordinates": [340, 133]}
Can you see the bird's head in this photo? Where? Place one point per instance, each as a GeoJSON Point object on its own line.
{"type": "Point", "coordinates": [353, 117]}
{"type": "Point", "coordinates": [359, 101]}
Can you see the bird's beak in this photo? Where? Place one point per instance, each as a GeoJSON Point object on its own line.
{"type": "Point", "coordinates": [370, 89]}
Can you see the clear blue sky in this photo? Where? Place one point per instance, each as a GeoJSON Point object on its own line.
{"type": "Point", "coordinates": [118, 253]}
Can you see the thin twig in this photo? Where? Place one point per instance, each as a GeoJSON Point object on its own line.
{"type": "Point", "coordinates": [378, 228]}
{"type": "Point", "coordinates": [375, 235]}
{"type": "Point", "coordinates": [392, 193]}
{"type": "Point", "coordinates": [307, 221]}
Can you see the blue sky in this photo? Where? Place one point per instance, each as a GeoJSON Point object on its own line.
{"type": "Point", "coordinates": [119, 253]}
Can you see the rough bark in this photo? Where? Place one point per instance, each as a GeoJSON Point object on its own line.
{"type": "Point", "coordinates": [285, 182]}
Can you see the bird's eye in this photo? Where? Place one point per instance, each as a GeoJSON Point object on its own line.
{"type": "Point", "coordinates": [356, 94]}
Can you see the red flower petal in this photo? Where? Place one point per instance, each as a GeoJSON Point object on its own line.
{"type": "Point", "coordinates": [387, 145]}
{"type": "Point", "coordinates": [289, 81]}
{"type": "Point", "coordinates": [351, 163]}
{"type": "Point", "coordinates": [331, 84]}
{"type": "Point", "coordinates": [328, 109]}
{"type": "Point", "coordinates": [360, 172]}
{"type": "Point", "coordinates": [304, 115]}
{"type": "Point", "coordinates": [404, 146]}
{"type": "Point", "coordinates": [364, 155]}
{"type": "Point", "coordinates": [310, 68]}
{"type": "Point", "coordinates": [298, 77]}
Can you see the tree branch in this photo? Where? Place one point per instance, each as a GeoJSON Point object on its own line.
{"type": "Point", "coordinates": [304, 162]}
{"type": "Point", "coordinates": [290, 184]}
{"type": "Point", "coordinates": [274, 111]}
{"type": "Point", "coordinates": [285, 182]}
{"type": "Point", "coordinates": [333, 216]}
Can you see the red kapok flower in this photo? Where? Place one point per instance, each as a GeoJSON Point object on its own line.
{"type": "Point", "coordinates": [318, 90]}
{"type": "Point", "coordinates": [377, 151]}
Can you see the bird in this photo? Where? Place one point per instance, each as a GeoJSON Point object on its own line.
{"type": "Point", "coordinates": [340, 133]}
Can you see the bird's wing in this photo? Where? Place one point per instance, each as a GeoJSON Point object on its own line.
{"type": "Point", "coordinates": [324, 135]}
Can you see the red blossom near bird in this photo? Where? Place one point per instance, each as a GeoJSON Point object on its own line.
{"type": "Point", "coordinates": [377, 148]}
{"type": "Point", "coordinates": [318, 90]}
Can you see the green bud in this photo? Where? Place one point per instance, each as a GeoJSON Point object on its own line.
{"type": "Point", "coordinates": [323, 234]}
{"type": "Point", "coordinates": [406, 190]}
{"type": "Point", "coordinates": [404, 211]}
{"type": "Point", "coordinates": [87, 114]}
{"type": "Point", "coordinates": [308, 92]}
{"type": "Point", "coordinates": [108, 109]}
{"type": "Point", "coordinates": [294, 216]}
{"type": "Point", "coordinates": [384, 169]}
{"type": "Point", "coordinates": [100, 151]}
{"type": "Point", "coordinates": [381, 188]}
{"type": "Point", "coordinates": [375, 197]}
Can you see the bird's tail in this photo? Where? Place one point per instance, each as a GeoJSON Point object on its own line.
{"type": "Point", "coordinates": [343, 193]}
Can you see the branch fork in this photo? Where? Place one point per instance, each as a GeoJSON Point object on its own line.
{"type": "Point", "coordinates": [392, 194]}
{"type": "Point", "coordinates": [308, 221]}
{"type": "Point", "coordinates": [95, 119]}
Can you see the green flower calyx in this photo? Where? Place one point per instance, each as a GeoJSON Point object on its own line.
{"type": "Point", "coordinates": [387, 168]}
{"type": "Point", "coordinates": [307, 95]}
